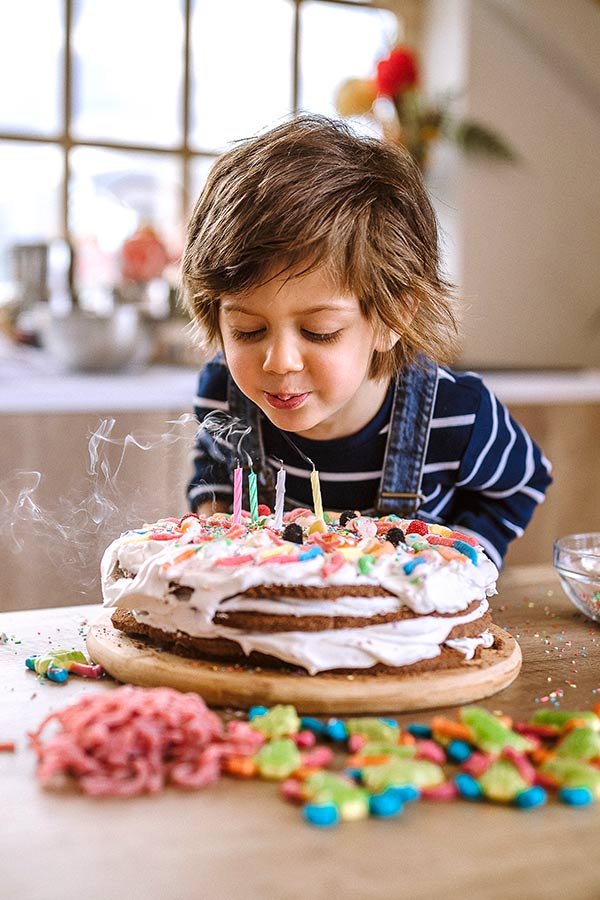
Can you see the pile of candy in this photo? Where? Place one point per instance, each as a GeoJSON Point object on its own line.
{"type": "Point", "coordinates": [478, 757]}
{"type": "Point", "coordinates": [58, 664]}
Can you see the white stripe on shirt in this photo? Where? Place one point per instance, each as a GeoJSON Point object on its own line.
{"type": "Point", "coordinates": [441, 466]}
{"type": "Point", "coordinates": [453, 421]}
{"type": "Point", "coordinates": [326, 476]}
{"type": "Point", "coordinates": [502, 464]}
{"type": "Point", "coordinates": [490, 442]}
{"type": "Point", "coordinates": [529, 470]}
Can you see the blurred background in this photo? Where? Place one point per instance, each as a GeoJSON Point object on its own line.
{"type": "Point", "coordinates": [111, 116]}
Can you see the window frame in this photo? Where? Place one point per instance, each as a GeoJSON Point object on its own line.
{"type": "Point", "coordinates": [408, 11]}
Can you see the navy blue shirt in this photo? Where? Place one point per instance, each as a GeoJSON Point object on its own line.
{"type": "Point", "coordinates": [483, 474]}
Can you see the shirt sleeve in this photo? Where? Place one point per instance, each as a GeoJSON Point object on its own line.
{"type": "Point", "coordinates": [212, 464]}
{"type": "Point", "coordinates": [502, 477]}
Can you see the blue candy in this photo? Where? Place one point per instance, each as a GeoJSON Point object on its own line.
{"type": "Point", "coordinates": [307, 723]}
{"type": "Point", "coordinates": [467, 550]}
{"type": "Point", "coordinates": [255, 711]}
{"type": "Point", "coordinates": [420, 731]}
{"type": "Point", "coordinates": [57, 674]}
{"type": "Point", "coordinates": [531, 797]}
{"type": "Point", "coordinates": [322, 814]}
{"type": "Point", "coordinates": [387, 804]}
{"type": "Point", "coordinates": [579, 796]}
{"type": "Point", "coordinates": [458, 751]}
{"type": "Point", "coordinates": [315, 550]}
{"type": "Point", "coordinates": [410, 565]}
{"type": "Point", "coordinates": [468, 787]}
{"type": "Point", "coordinates": [336, 730]}
{"type": "Point", "coordinates": [407, 792]}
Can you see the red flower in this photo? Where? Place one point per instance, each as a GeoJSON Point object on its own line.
{"type": "Point", "coordinates": [396, 73]}
{"type": "Point", "coordinates": [143, 255]}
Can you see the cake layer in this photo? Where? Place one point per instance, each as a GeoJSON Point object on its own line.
{"type": "Point", "coordinates": [270, 615]}
{"type": "Point", "coordinates": [457, 647]}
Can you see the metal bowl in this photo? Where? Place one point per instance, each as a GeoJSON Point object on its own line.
{"type": "Point", "coordinates": [84, 342]}
{"type": "Point", "coordinates": [576, 558]}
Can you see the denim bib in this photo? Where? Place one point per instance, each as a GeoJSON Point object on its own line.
{"type": "Point", "coordinates": [408, 437]}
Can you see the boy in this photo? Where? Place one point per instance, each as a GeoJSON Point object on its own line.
{"type": "Point", "coordinates": [312, 263]}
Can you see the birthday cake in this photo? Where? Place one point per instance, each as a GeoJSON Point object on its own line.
{"type": "Point", "coordinates": [384, 595]}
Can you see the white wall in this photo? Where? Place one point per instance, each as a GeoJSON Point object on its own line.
{"type": "Point", "coordinates": [524, 239]}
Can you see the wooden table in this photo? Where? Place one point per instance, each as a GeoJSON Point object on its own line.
{"type": "Point", "coordinates": [240, 840]}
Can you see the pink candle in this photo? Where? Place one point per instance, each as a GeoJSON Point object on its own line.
{"type": "Point", "coordinates": [237, 494]}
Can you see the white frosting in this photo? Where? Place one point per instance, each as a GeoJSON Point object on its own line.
{"type": "Point", "coordinates": [435, 584]}
{"type": "Point", "coordinates": [468, 645]}
{"type": "Point", "coordinates": [291, 606]}
{"type": "Point", "coordinates": [394, 643]}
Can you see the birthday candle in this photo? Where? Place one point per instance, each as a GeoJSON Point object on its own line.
{"type": "Point", "coordinates": [316, 492]}
{"type": "Point", "coordinates": [253, 495]}
{"type": "Point", "coordinates": [237, 494]}
{"type": "Point", "coordinates": [279, 498]}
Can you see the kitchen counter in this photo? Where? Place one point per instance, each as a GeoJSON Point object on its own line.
{"type": "Point", "coordinates": [240, 839]}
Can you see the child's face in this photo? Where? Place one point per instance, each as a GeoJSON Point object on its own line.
{"type": "Point", "coordinates": [300, 349]}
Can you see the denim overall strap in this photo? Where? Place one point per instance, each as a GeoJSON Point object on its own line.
{"type": "Point", "coordinates": [408, 438]}
{"type": "Point", "coordinates": [243, 408]}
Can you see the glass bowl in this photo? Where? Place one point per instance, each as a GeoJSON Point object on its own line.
{"type": "Point", "coordinates": [576, 559]}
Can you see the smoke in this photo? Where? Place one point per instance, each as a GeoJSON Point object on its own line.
{"type": "Point", "coordinates": [65, 535]}
{"type": "Point", "coordinates": [228, 430]}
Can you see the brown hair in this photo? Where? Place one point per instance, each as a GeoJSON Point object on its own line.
{"type": "Point", "coordinates": [312, 193]}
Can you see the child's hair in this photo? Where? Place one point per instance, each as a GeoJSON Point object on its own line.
{"type": "Point", "coordinates": [312, 193]}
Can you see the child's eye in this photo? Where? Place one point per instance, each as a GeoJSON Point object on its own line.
{"type": "Point", "coordinates": [246, 335]}
{"type": "Point", "coordinates": [322, 338]}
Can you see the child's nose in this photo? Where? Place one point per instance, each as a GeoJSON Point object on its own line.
{"type": "Point", "coordinates": [283, 355]}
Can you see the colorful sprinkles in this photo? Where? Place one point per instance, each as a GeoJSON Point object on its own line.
{"type": "Point", "coordinates": [339, 539]}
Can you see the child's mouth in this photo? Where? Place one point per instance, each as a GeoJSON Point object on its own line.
{"type": "Point", "coordinates": [285, 401]}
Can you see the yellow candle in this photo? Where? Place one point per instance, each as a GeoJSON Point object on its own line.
{"type": "Point", "coordinates": [316, 492]}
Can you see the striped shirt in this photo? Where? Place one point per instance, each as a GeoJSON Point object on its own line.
{"type": "Point", "coordinates": [482, 473]}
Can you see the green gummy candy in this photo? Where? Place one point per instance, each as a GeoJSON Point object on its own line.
{"type": "Point", "coordinates": [365, 563]}
{"type": "Point", "coordinates": [279, 721]}
{"type": "Point", "coordinates": [420, 773]}
{"type": "Point", "coordinates": [327, 787]}
{"type": "Point", "coordinates": [502, 782]}
{"type": "Point", "coordinates": [581, 743]}
{"type": "Point", "coordinates": [490, 734]}
{"type": "Point", "coordinates": [380, 748]}
{"type": "Point", "coordinates": [374, 729]}
{"type": "Point", "coordinates": [569, 772]}
{"type": "Point", "coordinates": [559, 718]}
{"type": "Point", "coordinates": [278, 759]}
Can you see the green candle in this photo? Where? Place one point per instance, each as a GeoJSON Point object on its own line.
{"type": "Point", "coordinates": [252, 490]}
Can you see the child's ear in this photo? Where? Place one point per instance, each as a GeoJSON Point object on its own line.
{"type": "Point", "coordinates": [386, 340]}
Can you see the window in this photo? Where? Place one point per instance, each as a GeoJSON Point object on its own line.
{"type": "Point", "coordinates": [118, 108]}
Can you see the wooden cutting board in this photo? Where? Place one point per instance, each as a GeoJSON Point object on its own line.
{"type": "Point", "coordinates": [135, 662]}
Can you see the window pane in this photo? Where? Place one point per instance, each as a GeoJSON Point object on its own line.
{"type": "Point", "coordinates": [30, 178]}
{"type": "Point", "coordinates": [241, 68]}
{"type": "Point", "coordinates": [112, 194]}
{"type": "Point", "coordinates": [339, 42]}
{"type": "Point", "coordinates": [200, 166]}
{"type": "Point", "coordinates": [30, 66]}
{"type": "Point", "coordinates": [127, 70]}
